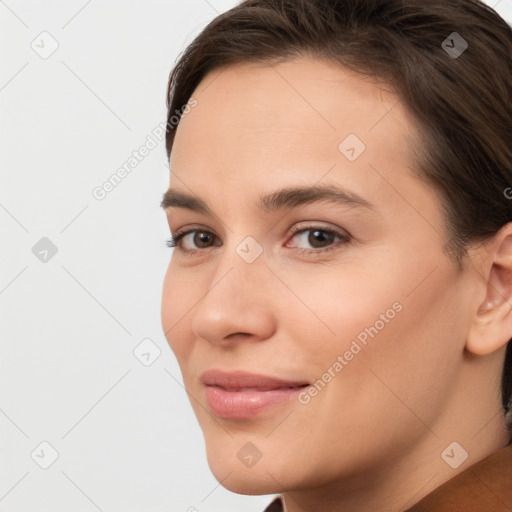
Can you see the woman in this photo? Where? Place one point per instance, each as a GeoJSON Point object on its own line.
{"type": "Point", "coordinates": [339, 294]}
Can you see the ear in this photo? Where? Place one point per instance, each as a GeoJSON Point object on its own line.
{"type": "Point", "coordinates": [491, 328]}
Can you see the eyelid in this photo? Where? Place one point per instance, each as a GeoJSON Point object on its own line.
{"type": "Point", "coordinates": [343, 235]}
{"type": "Point", "coordinates": [178, 235]}
{"type": "Point", "coordinates": [311, 226]}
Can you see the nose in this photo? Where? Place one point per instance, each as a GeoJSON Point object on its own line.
{"type": "Point", "coordinates": [236, 304]}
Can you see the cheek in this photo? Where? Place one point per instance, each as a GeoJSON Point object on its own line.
{"type": "Point", "coordinates": [334, 307]}
{"type": "Point", "coordinates": [391, 322]}
{"type": "Point", "coordinates": [176, 301]}
{"type": "Point", "coordinates": [397, 349]}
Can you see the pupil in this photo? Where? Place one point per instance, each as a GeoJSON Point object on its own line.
{"type": "Point", "coordinates": [316, 235]}
{"type": "Point", "coordinates": [201, 237]}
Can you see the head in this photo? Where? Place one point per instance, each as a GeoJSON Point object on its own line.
{"type": "Point", "coordinates": [390, 300]}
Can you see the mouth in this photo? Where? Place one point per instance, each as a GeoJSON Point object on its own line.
{"type": "Point", "coordinates": [241, 395]}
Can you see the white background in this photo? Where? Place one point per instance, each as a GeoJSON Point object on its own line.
{"type": "Point", "coordinates": [125, 433]}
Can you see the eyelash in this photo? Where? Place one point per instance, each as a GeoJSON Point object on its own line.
{"type": "Point", "coordinates": [175, 240]}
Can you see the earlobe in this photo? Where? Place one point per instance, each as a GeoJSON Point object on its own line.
{"type": "Point", "coordinates": [491, 327]}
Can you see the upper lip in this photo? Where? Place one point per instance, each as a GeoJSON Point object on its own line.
{"type": "Point", "coordinates": [241, 379]}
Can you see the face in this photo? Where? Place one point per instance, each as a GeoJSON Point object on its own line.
{"type": "Point", "coordinates": [345, 307]}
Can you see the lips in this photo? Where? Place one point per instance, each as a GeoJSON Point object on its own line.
{"type": "Point", "coordinates": [239, 380]}
{"type": "Point", "coordinates": [240, 395]}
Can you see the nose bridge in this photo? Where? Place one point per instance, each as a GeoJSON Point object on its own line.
{"type": "Point", "coordinates": [237, 299]}
{"type": "Point", "coordinates": [240, 267]}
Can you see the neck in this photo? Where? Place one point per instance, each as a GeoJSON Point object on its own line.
{"type": "Point", "coordinates": [405, 477]}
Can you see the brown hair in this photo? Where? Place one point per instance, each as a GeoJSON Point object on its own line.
{"type": "Point", "coordinates": [462, 103]}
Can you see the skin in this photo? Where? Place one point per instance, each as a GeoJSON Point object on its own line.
{"type": "Point", "coordinates": [372, 438]}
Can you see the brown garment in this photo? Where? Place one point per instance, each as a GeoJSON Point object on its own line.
{"type": "Point", "coordinates": [486, 486]}
{"type": "Point", "coordinates": [275, 506]}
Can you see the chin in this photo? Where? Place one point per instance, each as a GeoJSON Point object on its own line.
{"type": "Point", "coordinates": [261, 478]}
{"type": "Point", "coordinates": [247, 481]}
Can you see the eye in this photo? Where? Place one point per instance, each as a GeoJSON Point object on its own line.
{"type": "Point", "coordinates": [320, 238]}
{"type": "Point", "coordinates": [200, 238]}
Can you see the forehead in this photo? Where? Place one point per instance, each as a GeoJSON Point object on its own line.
{"type": "Point", "coordinates": [299, 88]}
{"type": "Point", "coordinates": [258, 127]}
{"type": "Point", "coordinates": [299, 106]}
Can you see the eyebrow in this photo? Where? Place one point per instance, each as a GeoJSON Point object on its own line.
{"type": "Point", "coordinates": [290, 197]}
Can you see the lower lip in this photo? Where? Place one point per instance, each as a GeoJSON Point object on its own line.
{"type": "Point", "coordinates": [245, 404]}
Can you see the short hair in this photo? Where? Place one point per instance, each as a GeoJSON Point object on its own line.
{"type": "Point", "coordinates": [449, 61]}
